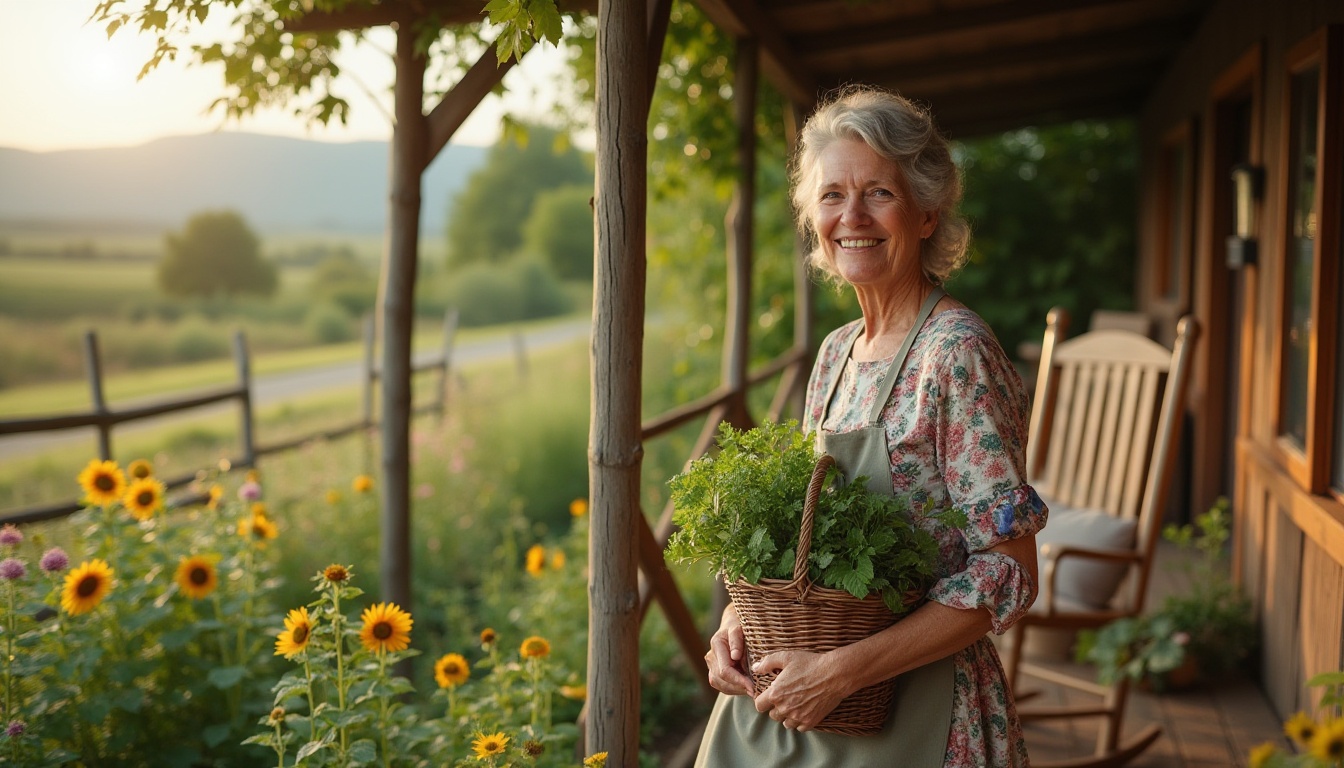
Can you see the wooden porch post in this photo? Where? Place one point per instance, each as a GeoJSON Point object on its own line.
{"type": "Point", "coordinates": [397, 286]}
{"type": "Point", "coordinates": [741, 240]}
{"type": "Point", "coordinates": [614, 448]}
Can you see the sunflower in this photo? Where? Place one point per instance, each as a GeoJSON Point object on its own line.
{"type": "Point", "coordinates": [333, 496]}
{"type": "Point", "coordinates": [140, 469]}
{"type": "Point", "coordinates": [575, 692]}
{"type": "Point", "coordinates": [298, 630]}
{"type": "Point", "coordinates": [386, 628]}
{"type": "Point", "coordinates": [451, 670]}
{"type": "Point", "coordinates": [362, 484]}
{"type": "Point", "coordinates": [259, 528]}
{"type": "Point", "coordinates": [488, 637]}
{"type": "Point", "coordinates": [216, 493]}
{"type": "Point", "coordinates": [535, 648]}
{"type": "Point", "coordinates": [1300, 728]}
{"type": "Point", "coordinates": [487, 745]}
{"type": "Point", "coordinates": [86, 586]}
{"type": "Point", "coordinates": [144, 498]}
{"type": "Point", "coordinates": [536, 559]}
{"type": "Point", "coordinates": [103, 482]}
{"type": "Point", "coordinates": [196, 576]}
{"type": "Point", "coordinates": [578, 507]}
{"type": "Point", "coordinates": [259, 509]}
{"type": "Point", "coordinates": [1328, 743]}
{"type": "Point", "coordinates": [336, 573]}
{"type": "Point", "coordinates": [1261, 754]}
{"type": "Point", "coordinates": [533, 749]}
{"type": "Point", "coordinates": [558, 559]}
{"type": "Point", "coordinates": [595, 760]}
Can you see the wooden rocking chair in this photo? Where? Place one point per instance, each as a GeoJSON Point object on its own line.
{"type": "Point", "coordinates": [1104, 430]}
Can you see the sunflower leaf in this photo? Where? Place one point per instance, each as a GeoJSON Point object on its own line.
{"type": "Point", "coordinates": [313, 747]}
{"type": "Point", "coordinates": [226, 677]}
{"type": "Point", "coordinates": [362, 752]}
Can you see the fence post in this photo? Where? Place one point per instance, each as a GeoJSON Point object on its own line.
{"type": "Point", "coordinates": [449, 330]}
{"type": "Point", "coordinates": [370, 373]}
{"type": "Point", "coordinates": [244, 364]}
{"type": "Point", "coordinates": [94, 365]}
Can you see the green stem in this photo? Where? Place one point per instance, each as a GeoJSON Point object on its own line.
{"type": "Point", "coordinates": [235, 693]}
{"type": "Point", "coordinates": [9, 656]}
{"type": "Point", "coordinates": [336, 621]}
{"type": "Point", "coordinates": [279, 744]}
{"type": "Point", "coordinates": [308, 675]}
{"type": "Point", "coordinates": [382, 706]}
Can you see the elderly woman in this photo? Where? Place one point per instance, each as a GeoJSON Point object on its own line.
{"type": "Point", "coordinates": [918, 396]}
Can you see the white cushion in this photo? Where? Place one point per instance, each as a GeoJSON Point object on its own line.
{"type": "Point", "coordinates": [1088, 581]}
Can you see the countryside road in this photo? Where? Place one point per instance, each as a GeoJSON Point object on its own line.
{"type": "Point", "coordinates": [289, 385]}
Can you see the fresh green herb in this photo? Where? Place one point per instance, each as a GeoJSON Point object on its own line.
{"type": "Point", "coordinates": [741, 511]}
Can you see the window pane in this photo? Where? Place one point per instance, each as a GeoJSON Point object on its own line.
{"type": "Point", "coordinates": [1301, 258]}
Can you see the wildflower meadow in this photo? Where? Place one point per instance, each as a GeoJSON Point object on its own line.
{"type": "Point", "coordinates": [159, 640]}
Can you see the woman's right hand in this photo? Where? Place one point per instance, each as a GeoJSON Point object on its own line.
{"type": "Point", "coordinates": [727, 657]}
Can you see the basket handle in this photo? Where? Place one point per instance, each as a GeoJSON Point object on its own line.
{"type": "Point", "coordinates": [824, 464]}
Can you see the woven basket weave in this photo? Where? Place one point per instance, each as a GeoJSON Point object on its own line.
{"type": "Point", "coordinates": [797, 615]}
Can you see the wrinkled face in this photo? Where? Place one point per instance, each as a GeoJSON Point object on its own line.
{"type": "Point", "coordinates": [866, 222]}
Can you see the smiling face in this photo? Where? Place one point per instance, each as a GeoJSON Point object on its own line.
{"type": "Point", "coordinates": [866, 222]}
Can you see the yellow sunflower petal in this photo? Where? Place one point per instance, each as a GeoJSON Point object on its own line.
{"type": "Point", "coordinates": [103, 482]}
{"type": "Point", "coordinates": [487, 745]}
{"type": "Point", "coordinates": [535, 648]}
{"type": "Point", "coordinates": [386, 628]}
{"type": "Point", "coordinates": [86, 586]}
{"type": "Point", "coordinates": [196, 576]}
{"type": "Point", "coordinates": [451, 670]}
{"type": "Point", "coordinates": [143, 498]}
{"type": "Point", "coordinates": [298, 631]}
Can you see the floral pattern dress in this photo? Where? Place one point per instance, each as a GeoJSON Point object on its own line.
{"type": "Point", "coordinates": [956, 427]}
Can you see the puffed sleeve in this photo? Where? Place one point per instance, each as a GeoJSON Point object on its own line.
{"type": "Point", "coordinates": [981, 445]}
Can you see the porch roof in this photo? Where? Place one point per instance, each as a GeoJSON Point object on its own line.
{"type": "Point", "coordinates": [982, 65]}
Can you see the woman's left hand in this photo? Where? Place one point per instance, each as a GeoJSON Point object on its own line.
{"type": "Point", "coordinates": [805, 689]}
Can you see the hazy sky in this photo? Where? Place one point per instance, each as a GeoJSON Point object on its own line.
{"type": "Point", "coordinates": [65, 85]}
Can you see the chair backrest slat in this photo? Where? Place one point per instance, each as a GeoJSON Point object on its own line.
{"type": "Point", "coordinates": [1108, 413]}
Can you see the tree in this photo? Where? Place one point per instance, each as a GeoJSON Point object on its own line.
{"type": "Point", "coordinates": [560, 231]}
{"type": "Point", "coordinates": [216, 253]}
{"type": "Point", "coordinates": [485, 222]}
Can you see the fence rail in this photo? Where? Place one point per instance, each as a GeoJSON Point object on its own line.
{"type": "Point", "coordinates": [105, 418]}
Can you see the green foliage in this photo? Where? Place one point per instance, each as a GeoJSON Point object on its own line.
{"type": "Point", "coordinates": [148, 669]}
{"type": "Point", "coordinates": [560, 231]}
{"type": "Point", "coordinates": [1218, 618]}
{"type": "Point", "coordinates": [1053, 210]}
{"type": "Point", "coordinates": [342, 280]}
{"type": "Point", "coordinates": [328, 323]}
{"type": "Point", "coordinates": [1213, 623]}
{"type": "Point", "coordinates": [523, 23]}
{"type": "Point", "coordinates": [217, 253]}
{"type": "Point", "coordinates": [520, 289]}
{"type": "Point", "coordinates": [484, 223]}
{"type": "Point", "coordinates": [1136, 647]}
{"type": "Point", "coordinates": [742, 510]}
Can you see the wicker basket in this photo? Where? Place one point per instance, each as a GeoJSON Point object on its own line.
{"type": "Point", "coordinates": [796, 615]}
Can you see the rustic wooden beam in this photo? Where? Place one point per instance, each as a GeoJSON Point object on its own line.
{"type": "Point", "coordinates": [660, 16]}
{"type": "Point", "coordinates": [396, 299]}
{"type": "Point", "coordinates": [1148, 42]}
{"type": "Point", "coordinates": [741, 229]}
{"type": "Point", "coordinates": [615, 450]}
{"type": "Point", "coordinates": [782, 65]}
{"type": "Point", "coordinates": [458, 104]}
{"type": "Point", "coordinates": [981, 20]}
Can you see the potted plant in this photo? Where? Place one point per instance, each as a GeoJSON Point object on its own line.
{"type": "Point", "coordinates": [1203, 634]}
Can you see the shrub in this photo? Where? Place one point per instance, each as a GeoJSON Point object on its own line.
{"type": "Point", "coordinates": [195, 339]}
{"type": "Point", "coordinates": [520, 289]}
{"type": "Point", "coordinates": [327, 323]}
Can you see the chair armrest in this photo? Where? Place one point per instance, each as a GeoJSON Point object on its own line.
{"type": "Point", "coordinates": [1053, 553]}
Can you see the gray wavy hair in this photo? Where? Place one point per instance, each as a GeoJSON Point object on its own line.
{"type": "Point", "coordinates": [904, 133]}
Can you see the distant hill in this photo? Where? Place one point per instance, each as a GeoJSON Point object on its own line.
{"type": "Point", "coordinates": [278, 184]}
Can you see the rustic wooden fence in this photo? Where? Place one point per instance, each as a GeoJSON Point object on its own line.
{"type": "Point", "coordinates": [105, 418]}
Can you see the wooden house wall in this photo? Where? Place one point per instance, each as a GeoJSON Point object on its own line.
{"type": "Point", "coordinates": [1288, 543]}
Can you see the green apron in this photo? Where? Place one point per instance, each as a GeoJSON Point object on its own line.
{"type": "Point", "coordinates": [915, 735]}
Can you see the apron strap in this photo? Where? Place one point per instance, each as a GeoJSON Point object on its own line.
{"type": "Point", "coordinates": [893, 373]}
